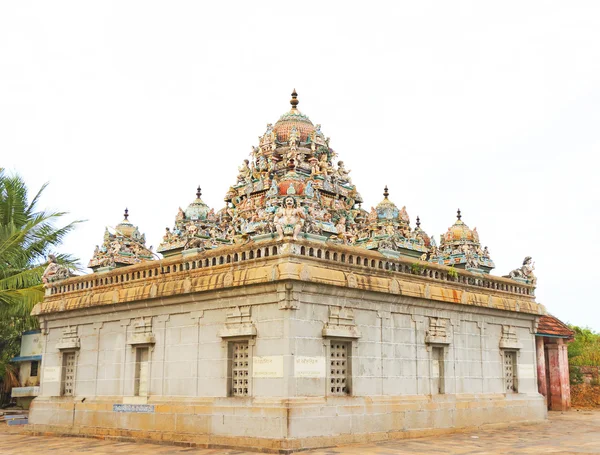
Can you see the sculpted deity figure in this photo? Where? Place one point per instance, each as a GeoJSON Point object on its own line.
{"type": "Point", "coordinates": [294, 138]}
{"type": "Point", "coordinates": [324, 166]}
{"type": "Point", "coordinates": [167, 236]}
{"type": "Point", "coordinates": [314, 166]}
{"type": "Point", "coordinates": [191, 230]}
{"type": "Point", "coordinates": [313, 144]}
{"type": "Point", "coordinates": [115, 247]}
{"type": "Point", "coordinates": [210, 216]}
{"type": "Point", "coordinates": [348, 236]}
{"type": "Point", "coordinates": [475, 235]}
{"type": "Point", "coordinates": [404, 215]}
{"type": "Point", "coordinates": [342, 173]}
{"type": "Point", "coordinates": [472, 262]}
{"type": "Point", "coordinates": [486, 253]}
{"type": "Point", "coordinates": [372, 218]}
{"type": "Point", "coordinates": [525, 271]}
{"type": "Point", "coordinates": [180, 215]}
{"type": "Point", "coordinates": [289, 215]}
{"type": "Point", "coordinates": [54, 271]}
{"type": "Point", "coordinates": [245, 173]}
{"type": "Point", "coordinates": [448, 235]}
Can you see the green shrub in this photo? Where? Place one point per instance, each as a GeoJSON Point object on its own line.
{"type": "Point", "coordinates": [575, 375]}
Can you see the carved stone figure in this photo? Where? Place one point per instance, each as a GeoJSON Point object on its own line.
{"type": "Point", "coordinates": [289, 216]}
{"type": "Point", "coordinates": [324, 166]}
{"type": "Point", "coordinates": [54, 271]}
{"type": "Point", "coordinates": [472, 262]}
{"type": "Point", "coordinates": [244, 173]}
{"type": "Point", "coordinates": [342, 173]}
{"type": "Point", "coordinates": [525, 271]}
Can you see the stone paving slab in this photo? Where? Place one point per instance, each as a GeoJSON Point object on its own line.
{"type": "Point", "coordinates": [574, 432]}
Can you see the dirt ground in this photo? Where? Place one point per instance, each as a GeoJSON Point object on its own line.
{"type": "Point", "coordinates": [573, 432]}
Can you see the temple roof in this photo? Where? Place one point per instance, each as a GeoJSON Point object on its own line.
{"type": "Point", "coordinates": [294, 184]}
{"type": "Point", "coordinates": [550, 325]}
{"type": "Point", "coordinates": [126, 246]}
{"type": "Point", "coordinates": [293, 119]}
{"type": "Point", "coordinates": [197, 210]}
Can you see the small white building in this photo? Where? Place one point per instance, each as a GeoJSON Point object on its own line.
{"type": "Point", "coordinates": [29, 360]}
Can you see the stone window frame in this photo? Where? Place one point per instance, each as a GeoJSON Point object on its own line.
{"type": "Point", "coordinates": [141, 340]}
{"type": "Point", "coordinates": [135, 348]}
{"type": "Point", "coordinates": [351, 368]}
{"type": "Point", "coordinates": [64, 353]}
{"type": "Point", "coordinates": [517, 354]}
{"type": "Point", "coordinates": [445, 351]}
{"type": "Point", "coordinates": [228, 345]}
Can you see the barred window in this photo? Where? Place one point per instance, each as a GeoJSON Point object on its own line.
{"type": "Point", "coordinates": [68, 374]}
{"type": "Point", "coordinates": [339, 364]}
{"type": "Point", "coordinates": [510, 371]}
{"type": "Point", "coordinates": [240, 370]}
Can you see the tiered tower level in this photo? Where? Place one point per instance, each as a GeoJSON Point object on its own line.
{"type": "Point", "coordinates": [294, 184]}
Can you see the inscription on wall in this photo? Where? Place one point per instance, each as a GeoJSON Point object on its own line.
{"type": "Point", "coordinates": [133, 408]}
{"type": "Point", "coordinates": [267, 366]}
{"type": "Point", "coordinates": [309, 367]}
{"type": "Point", "coordinates": [52, 374]}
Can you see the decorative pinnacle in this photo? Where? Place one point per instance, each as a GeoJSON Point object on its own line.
{"type": "Point", "coordinates": [418, 222]}
{"type": "Point", "coordinates": [385, 192]}
{"type": "Point", "coordinates": [458, 215]}
{"type": "Point", "coordinates": [294, 101]}
{"type": "Point", "coordinates": [126, 214]}
{"type": "Point", "coordinates": [198, 192]}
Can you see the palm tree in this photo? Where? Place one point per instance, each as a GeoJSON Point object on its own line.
{"type": "Point", "coordinates": [26, 237]}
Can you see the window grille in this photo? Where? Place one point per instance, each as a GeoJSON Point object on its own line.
{"type": "Point", "coordinates": [240, 372]}
{"type": "Point", "coordinates": [339, 374]}
{"type": "Point", "coordinates": [68, 374]}
{"type": "Point", "coordinates": [510, 371]}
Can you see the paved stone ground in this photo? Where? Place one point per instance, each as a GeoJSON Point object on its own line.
{"type": "Point", "coordinates": [575, 432]}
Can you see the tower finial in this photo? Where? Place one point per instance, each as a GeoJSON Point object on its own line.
{"type": "Point", "coordinates": [126, 214]}
{"type": "Point", "coordinates": [198, 192]}
{"type": "Point", "coordinates": [385, 192]}
{"type": "Point", "coordinates": [418, 222]}
{"type": "Point", "coordinates": [294, 101]}
{"type": "Point", "coordinates": [458, 215]}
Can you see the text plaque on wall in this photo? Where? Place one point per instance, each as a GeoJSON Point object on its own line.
{"type": "Point", "coordinates": [309, 367]}
{"type": "Point", "coordinates": [267, 366]}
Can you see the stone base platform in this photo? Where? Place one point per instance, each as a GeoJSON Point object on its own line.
{"type": "Point", "coordinates": [279, 425]}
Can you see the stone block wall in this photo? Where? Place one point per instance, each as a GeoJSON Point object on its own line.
{"type": "Point", "coordinates": [394, 389]}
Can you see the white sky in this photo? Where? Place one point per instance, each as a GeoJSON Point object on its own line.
{"type": "Point", "coordinates": [492, 107]}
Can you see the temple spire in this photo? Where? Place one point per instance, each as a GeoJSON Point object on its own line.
{"type": "Point", "coordinates": [198, 192]}
{"type": "Point", "coordinates": [386, 192]}
{"type": "Point", "coordinates": [126, 214]}
{"type": "Point", "coordinates": [458, 215]}
{"type": "Point", "coordinates": [418, 222]}
{"type": "Point", "coordinates": [294, 101]}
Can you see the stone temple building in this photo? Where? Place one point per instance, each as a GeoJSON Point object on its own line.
{"type": "Point", "coordinates": [290, 318]}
